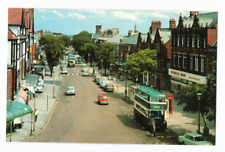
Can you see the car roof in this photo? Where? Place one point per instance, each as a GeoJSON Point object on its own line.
{"type": "Point", "coordinates": [102, 95]}
{"type": "Point", "coordinates": [70, 87]}
{"type": "Point", "coordinates": [193, 134]}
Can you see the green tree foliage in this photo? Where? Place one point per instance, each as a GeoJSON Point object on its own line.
{"type": "Point", "coordinates": [142, 62]}
{"type": "Point", "coordinates": [187, 96]}
{"type": "Point", "coordinates": [53, 47]}
{"type": "Point", "coordinates": [65, 40]}
{"type": "Point", "coordinates": [79, 40]}
{"type": "Point", "coordinates": [89, 48]}
{"type": "Point", "coordinates": [105, 52]}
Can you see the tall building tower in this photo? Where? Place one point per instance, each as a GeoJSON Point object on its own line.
{"type": "Point", "coordinates": [98, 29]}
{"type": "Point", "coordinates": [135, 29]}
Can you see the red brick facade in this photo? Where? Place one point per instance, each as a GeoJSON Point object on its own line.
{"type": "Point", "coordinates": [9, 84]}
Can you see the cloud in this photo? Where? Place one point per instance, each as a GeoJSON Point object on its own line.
{"type": "Point", "coordinates": [44, 18]}
{"type": "Point", "coordinates": [77, 15]}
{"type": "Point", "coordinates": [94, 11]}
{"type": "Point", "coordinates": [57, 13]}
{"type": "Point", "coordinates": [125, 15]}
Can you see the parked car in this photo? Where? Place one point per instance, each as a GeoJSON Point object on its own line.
{"type": "Point", "coordinates": [109, 87]}
{"type": "Point", "coordinates": [103, 83]}
{"type": "Point", "coordinates": [102, 99]}
{"type": "Point", "coordinates": [63, 66]}
{"type": "Point", "coordinates": [64, 71]}
{"type": "Point", "coordinates": [85, 73]}
{"type": "Point", "coordinates": [100, 81]}
{"type": "Point", "coordinates": [41, 82]}
{"type": "Point", "coordinates": [193, 139]}
{"type": "Point", "coordinates": [97, 77]}
{"type": "Point", "coordinates": [70, 91]}
{"type": "Point", "coordinates": [39, 88]}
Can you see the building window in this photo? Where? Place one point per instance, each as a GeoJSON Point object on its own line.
{"type": "Point", "coordinates": [187, 41]}
{"type": "Point", "coordinates": [184, 62]}
{"type": "Point", "coordinates": [174, 60]}
{"type": "Point", "coordinates": [196, 63]}
{"type": "Point", "coordinates": [198, 41]}
{"type": "Point", "coordinates": [193, 41]}
{"type": "Point", "coordinates": [204, 42]}
{"type": "Point", "coordinates": [179, 61]}
{"type": "Point", "coordinates": [191, 63]}
{"type": "Point", "coordinates": [182, 41]}
{"type": "Point", "coordinates": [202, 64]}
{"type": "Point", "coordinates": [178, 40]}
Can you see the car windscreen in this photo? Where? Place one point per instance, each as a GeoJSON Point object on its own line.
{"type": "Point", "coordinates": [103, 97]}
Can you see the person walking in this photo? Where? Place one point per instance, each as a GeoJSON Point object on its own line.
{"type": "Point", "coordinates": [36, 114]}
{"type": "Point", "coordinates": [31, 93]}
{"type": "Point", "coordinates": [153, 128]}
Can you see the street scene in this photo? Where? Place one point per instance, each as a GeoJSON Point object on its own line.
{"type": "Point", "coordinates": [153, 85]}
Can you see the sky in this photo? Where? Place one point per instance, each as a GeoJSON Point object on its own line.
{"type": "Point", "coordinates": [73, 21]}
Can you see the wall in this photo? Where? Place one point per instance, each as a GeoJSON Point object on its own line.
{"type": "Point", "coordinates": [9, 83]}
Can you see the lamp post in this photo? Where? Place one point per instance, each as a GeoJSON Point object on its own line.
{"type": "Point", "coordinates": [199, 98]}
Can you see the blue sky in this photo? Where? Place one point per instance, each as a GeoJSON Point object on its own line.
{"type": "Point", "coordinates": [73, 21]}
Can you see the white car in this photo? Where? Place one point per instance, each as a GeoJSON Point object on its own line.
{"type": "Point", "coordinates": [70, 91]}
{"type": "Point", "coordinates": [85, 73]}
{"type": "Point", "coordinates": [41, 82]}
{"type": "Point", "coordinates": [102, 84]}
{"type": "Point", "coordinates": [64, 71]}
{"type": "Point", "coordinates": [39, 88]}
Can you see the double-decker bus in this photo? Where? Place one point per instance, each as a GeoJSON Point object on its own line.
{"type": "Point", "coordinates": [150, 105]}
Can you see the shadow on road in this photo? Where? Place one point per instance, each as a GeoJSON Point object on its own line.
{"type": "Point", "coordinates": [126, 120]}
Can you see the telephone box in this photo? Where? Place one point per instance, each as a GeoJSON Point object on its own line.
{"type": "Point", "coordinates": [170, 98]}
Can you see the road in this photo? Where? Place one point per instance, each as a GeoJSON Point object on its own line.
{"type": "Point", "coordinates": [80, 119]}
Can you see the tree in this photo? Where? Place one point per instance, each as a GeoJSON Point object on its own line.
{"type": "Point", "coordinates": [187, 96]}
{"type": "Point", "coordinates": [105, 53]}
{"type": "Point", "coordinates": [65, 40]}
{"type": "Point", "coordinates": [79, 40]}
{"type": "Point", "coordinates": [89, 48]}
{"type": "Point", "coordinates": [142, 62]}
{"type": "Point", "coordinates": [53, 47]}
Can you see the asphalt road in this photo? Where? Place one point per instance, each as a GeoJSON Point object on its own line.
{"type": "Point", "coordinates": [80, 119]}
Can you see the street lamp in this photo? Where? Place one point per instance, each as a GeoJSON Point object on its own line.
{"type": "Point", "coordinates": [88, 61]}
{"type": "Point", "coordinates": [199, 98]}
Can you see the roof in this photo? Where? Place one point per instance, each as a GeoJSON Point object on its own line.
{"type": "Point", "coordinates": [15, 16]}
{"type": "Point", "coordinates": [131, 40]}
{"type": "Point", "coordinates": [150, 91]}
{"type": "Point", "coordinates": [165, 35]}
{"type": "Point", "coordinates": [11, 35]}
{"type": "Point", "coordinates": [16, 109]}
{"type": "Point", "coordinates": [31, 79]}
{"type": "Point", "coordinates": [211, 15]}
{"type": "Point", "coordinates": [202, 22]}
{"type": "Point", "coordinates": [115, 39]}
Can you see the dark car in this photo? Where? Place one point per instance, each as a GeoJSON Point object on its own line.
{"type": "Point", "coordinates": [109, 87]}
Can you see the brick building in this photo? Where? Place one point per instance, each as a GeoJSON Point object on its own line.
{"type": "Point", "coordinates": [194, 48]}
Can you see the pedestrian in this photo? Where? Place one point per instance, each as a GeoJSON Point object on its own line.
{"type": "Point", "coordinates": [36, 114]}
{"type": "Point", "coordinates": [93, 72]}
{"type": "Point", "coordinates": [153, 128]}
{"type": "Point", "coordinates": [42, 76]}
{"type": "Point", "coordinates": [34, 95]}
{"type": "Point", "coordinates": [118, 85]}
{"type": "Point", "coordinates": [31, 93]}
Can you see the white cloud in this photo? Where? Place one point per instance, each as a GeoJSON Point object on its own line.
{"type": "Point", "coordinates": [125, 15]}
{"type": "Point", "coordinates": [43, 18]}
{"type": "Point", "coordinates": [57, 13]}
{"type": "Point", "coordinates": [95, 11]}
{"type": "Point", "coordinates": [77, 15]}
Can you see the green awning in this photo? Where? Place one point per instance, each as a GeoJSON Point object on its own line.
{"type": "Point", "coordinates": [16, 109]}
{"type": "Point", "coordinates": [31, 78]}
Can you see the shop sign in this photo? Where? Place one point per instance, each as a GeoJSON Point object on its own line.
{"type": "Point", "coordinates": [188, 76]}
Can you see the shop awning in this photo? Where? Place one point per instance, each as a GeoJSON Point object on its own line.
{"type": "Point", "coordinates": [16, 109]}
{"type": "Point", "coordinates": [31, 79]}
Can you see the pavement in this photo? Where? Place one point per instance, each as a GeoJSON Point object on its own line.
{"type": "Point", "coordinates": [44, 103]}
{"type": "Point", "coordinates": [178, 122]}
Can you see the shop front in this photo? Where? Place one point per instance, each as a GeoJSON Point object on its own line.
{"type": "Point", "coordinates": [180, 78]}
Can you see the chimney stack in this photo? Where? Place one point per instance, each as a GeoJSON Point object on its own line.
{"type": "Point", "coordinates": [155, 25]}
{"type": "Point", "coordinates": [172, 23]}
{"type": "Point", "coordinates": [193, 13]}
{"type": "Point", "coordinates": [98, 29]}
